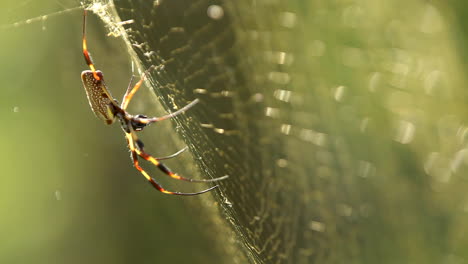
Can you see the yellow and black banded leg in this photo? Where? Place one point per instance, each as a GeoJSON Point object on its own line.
{"type": "Point", "coordinates": [133, 149]}
{"type": "Point", "coordinates": [139, 149]}
{"type": "Point", "coordinates": [168, 171]}
{"type": "Point", "coordinates": [86, 54]}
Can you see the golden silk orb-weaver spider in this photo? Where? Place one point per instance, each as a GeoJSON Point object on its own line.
{"type": "Point", "coordinates": [108, 109]}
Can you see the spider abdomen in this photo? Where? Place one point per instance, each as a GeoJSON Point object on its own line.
{"type": "Point", "coordinates": [99, 98]}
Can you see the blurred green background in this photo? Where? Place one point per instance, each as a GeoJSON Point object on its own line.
{"type": "Point", "coordinates": [349, 134]}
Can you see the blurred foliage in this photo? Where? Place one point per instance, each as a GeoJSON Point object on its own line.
{"type": "Point", "coordinates": [342, 124]}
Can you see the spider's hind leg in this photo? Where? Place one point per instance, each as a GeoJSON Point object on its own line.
{"type": "Point", "coordinates": [137, 145]}
{"type": "Point", "coordinates": [155, 161]}
{"type": "Point", "coordinates": [134, 155]}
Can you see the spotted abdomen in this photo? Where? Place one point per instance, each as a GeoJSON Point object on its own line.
{"type": "Point", "coordinates": [99, 97]}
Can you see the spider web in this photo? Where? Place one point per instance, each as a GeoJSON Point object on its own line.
{"type": "Point", "coordinates": [194, 47]}
{"type": "Point", "coordinates": [342, 124]}
{"type": "Point", "coordinates": [326, 116]}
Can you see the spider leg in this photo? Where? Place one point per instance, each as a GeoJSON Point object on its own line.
{"type": "Point", "coordinates": [131, 91]}
{"type": "Point", "coordinates": [148, 120]}
{"type": "Point", "coordinates": [173, 155]}
{"type": "Point", "coordinates": [86, 54]}
{"type": "Point", "coordinates": [131, 144]}
{"type": "Point", "coordinates": [168, 171]}
{"type": "Point", "coordinates": [129, 87]}
{"type": "Point", "coordinates": [139, 149]}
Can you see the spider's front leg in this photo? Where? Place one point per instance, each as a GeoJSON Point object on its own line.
{"type": "Point", "coordinates": [141, 121]}
{"type": "Point", "coordinates": [132, 90]}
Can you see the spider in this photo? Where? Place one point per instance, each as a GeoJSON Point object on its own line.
{"type": "Point", "coordinates": [108, 109]}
